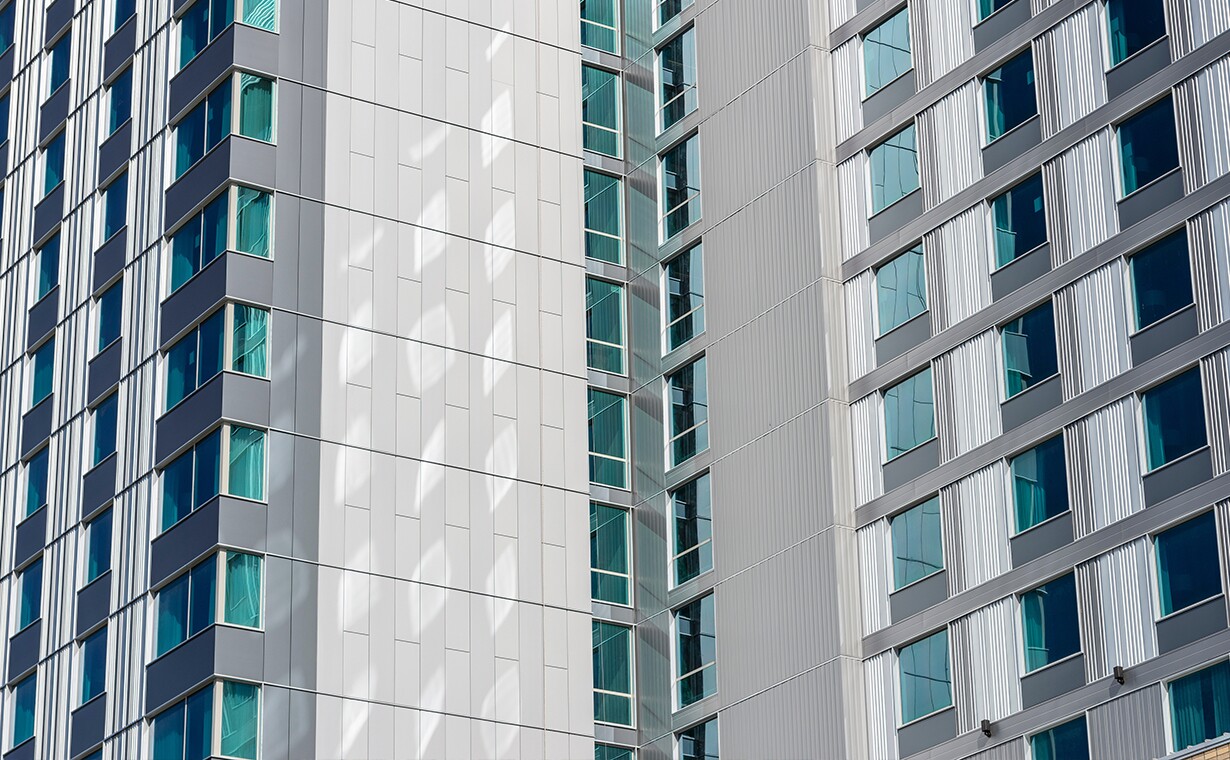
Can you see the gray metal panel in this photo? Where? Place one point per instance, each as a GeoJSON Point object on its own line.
{"type": "Point", "coordinates": [43, 317]}
{"type": "Point", "coordinates": [24, 650]}
{"type": "Point", "coordinates": [919, 596]}
{"type": "Point", "coordinates": [223, 520]}
{"type": "Point", "coordinates": [93, 603]}
{"type": "Point", "coordinates": [240, 46]}
{"type": "Point", "coordinates": [903, 338]}
{"type": "Point", "coordinates": [27, 750]}
{"type": "Point", "coordinates": [98, 486]}
{"type": "Point", "coordinates": [1191, 625]}
{"type": "Point", "coordinates": [1025, 137]}
{"type": "Point", "coordinates": [31, 537]}
{"type": "Point", "coordinates": [1000, 24]}
{"type": "Point", "coordinates": [104, 371]}
{"type": "Point", "coordinates": [1130, 726]}
{"type": "Point", "coordinates": [89, 724]}
{"type": "Point", "coordinates": [59, 15]}
{"type": "Point", "coordinates": [1138, 68]}
{"type": "Point", "coordinates": [54, 111]}
{"type": "Point", "coordinates": [1042, 539]}
{"type": "Point", "coordinates": [235, 276]}
{"type": "Point", "coordinates": [120, 47]}
{"type": "Point", "coordinates": [7, 63]}
{"type": "Point", "coordinates": [912, 464]}
{"type": "Point", "coordinates": [237, 159]}
{"type": "Point", "coordinates": [1048, 683]}
{"type": "Point", "coordinates": [1177, 477]}
{"type": "Point", "coordinates": [1149, 200]}
{"type": "Point", "coordinates": [220, 649]}
{"type": "Point", "coordinates": [889, 97]}
{"type": "Point", "coordinates": [1021, 271]}
{"type": "Point", "coordinates": [928, 732]}
{"type": "Point", "coordinates": [110, 258]}
{"type": "Point", "coordinates": [36, 425]}
{"type": "Point", "coordinates": [48, 214]}
{"type": "Point", "coordinates": [892, 219]}
{"type": "Point", "coordinates": [1032, 403]}
{"type": "Point", "coordinates": [228, 396]}
{"type": "Point", "coordinates": [113, 154]}
{"type": "Point", "coordinates": [1160, 337]}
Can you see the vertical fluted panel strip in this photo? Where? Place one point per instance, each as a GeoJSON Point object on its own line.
{"type": "Point", "coordinates": [942, 35]}
{"type": "Point", "coordinates": [1192, 23]}
{"type": "Point", "coordinates": [1087, 213]}
{"type": "Point", "coordinates": [986, 679]}
{"type": "Point", "coordinates": [841, 11]}
{"type": "Point", "coordinates": [1130, 726]}
{"type": "Point", "coordinates": [868, 451]}
{"type": "Point", "coordinates": [1202, 108]}
{"type": "Point", "coordinates": [976, 530]}
{"type": "Point", "coordinates": [958, 268]}
{"type": "Point", "coordinates": [847, 92]}
{"type": "Point", "coordinates": [1069, 60]}
{"type": "Point", "coordinates": [1092, 327]}
{"type": "Point", "coordinates": [967, 380]}
{"type": "Point", "coordinates": [1104, 469]}
{"type": "Point", "coordinates": [880, 679]}
{"type": "Point", "coordinates": [1208, 238]}
{"type": "Point", "coordinates": [860, 323]}
{"type": "Point", "coordinates": [874, 566]}
{"type": "Point", "coordinates": [1129, 635]}
{"type": "Point", "coordinates": [950, 145]}
{"type": "Point", "coordinates": [1089, 617]}
{"type": "Point", "coordinates": [852, 184]}
{"type": "Point", "coordinates": [1215, 376]}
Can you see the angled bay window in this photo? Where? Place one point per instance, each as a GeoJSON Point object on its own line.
{"type": "Point", "coordinates": [1039, 484]}
{"type": "Point", "coordinates": [1049, 623]}
{"type": "Point", "coordinates": [1161, 279]}
{"type": "Point", "coordinates": [603, 215]}
{"type": "Point", "coordinates": [676, 79]}
{"type": "Point", "coordinates": [894, 169]}
{"type": "Point", "coordinates": [609, 564]}
{"type": "Point", "coordinates": [1029, 350]}
{"type": "Point", "coordinates": [115, 206]}
{"type": "Point", "coordinates": [230, 460]}
{"type": "Point", "coordinates": [886, 52]}
{"type": "Point", "coordinates": [47, 275]}
{"type": "Point", "coordinates": [901, 289]}
{"type": "Point", "coordinates": [1010, 95]}
{"type": "Point", "coordinates": [211, 233]}
{"type": "Point", "coordinates": [1133, 26]}
{"type": "Point", "coordinates": [59, 63]}
{"type": "Point", "coordinates": [926, 678]}
{"type": "Point", "coordinates": [94, 665]}
{"type": "Point", "coordinates": [98, 546]}
{"type": "Point", "coordinates": [42, 374]}
{"type": "Point", "coordinates": [1019, 220]}
{"type": "Point", "coordinates": [1069, 741]}
{"type": "Point", "coordinates": [25, 700]}
{"type": "Point", "coordinates": [206, 19]}
{"type": "Point", "coordinates": [604, 326]}
{"type": "Point", "coordinates": [608, 439]}
{"type": "Point", "coordinates": [53, 164]}
{"type": "Point", "coordinates": [600, 110]}
{"type": "Point", "coordinates": [691, 530]}
{"type": "Point", "coordinates": [695, 652]}
{"type": "Point", "coordinates": [37, 470]}
{"type": "Point", "coordinates": [1174, 419]}
{"type": "Point", "coordinates": [1188, 571]}
{"type": "Point", "coordinates": [700, 742]}
{"type": "Point", "coordinates": [233, 338]}
{"type": "Point", "coordinates": [684, 279]}
{"type": "Point", "coordinates": [119, 95]}
{"type": "Point", "coordinates": [687, 395]}
{"type": "Point", "coordinates": [600, 25]}
{"type": "Point", "coordinates": [1148, 146]}
{"type": "Point", "coordinates": [909, 414]}
{"type": "Point", "coordinates": [1200, 706]}
{"type": "Point", "coordinates": [222, 719]}
{"type": "Point", "coordinates": [199, 598]}
{"type": "Point", "coordinates": [30, 594]}
{"type": "Point", "coordinates": [105, 416]}
{"type": "Point", "coordinates": [110, 314]}
{"type": "Point", "coordinates": [668, 9]}
{"type": "Point", "coordinates": [918, 549]}
{"type": "Point", "coordinates": [680, 187]}
{"type": "Point", "coordinates": [211, 121]}
{"type": "Point", "coordinates": [612, 645]}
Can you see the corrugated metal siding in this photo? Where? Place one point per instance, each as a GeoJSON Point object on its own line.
{"type": "Point", "coordinates": [1124, 608]}
{"type": "Point", "coordinates": [874, 567]}
{"type": "Point", "coordinates": [1069, 60]}
{"type": "Point", "coordinates": [1091, 327]}
{"type": "Point", "coordinates": [1037, 6]}
{"type": "Point", "coordinates": [1192, 23]}
{"type": "Point", "coordinates": [1202, 109]}
{"type": "Point", "coordinates": [1208, 237]}
{"type": "Point", "coordinates": [967, 396]}
{"type": "Point", "coordinates": [1129, 727]}
{"type": "Point", "coordinates": [847, 87]}
{"type": "Point", "coordinates": [975, 526]}
{"type": "Point", "coordinates": [1103, 457]}
{"type": "Point", "coordinates": [986, 678]}
{"type": "Point", "coordinates": [1081, 188]}
{"type": "Point", "coordinates": [742, 44]}
{"type": "Point", "coordinates": [1215, 376]}
{"type": "Point", "coordinates": [852, 185]}
{"type": "Point", "coordinates": [880, 682]}
{"type": "Point", "coordinates": [865, 415]}
{"type": "Point", "coordinates": [958, 268]}
{"type": "Point", "coordinates": [1089, 616]}
{"type": "Point", "coordinates": [942, 35]}
{"type": "Point", "coordinates": [950, 145]}
{"type": "Point", "coordinates": [841, 11]}
{"type": "Point", "coordinates": [860, 323]}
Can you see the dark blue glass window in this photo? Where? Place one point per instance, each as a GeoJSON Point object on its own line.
{"type": "Point", "coordinates": [200, 241]}
{"type": "Point", "coordinates": [110, 314]}
{"type": "Point", "coordinates": [599, 25]}
{"type": "Point", "coordinates": [700, 742]}
{"type": "Point", "coordinates": [98, 546]}
{"type": "Point", "coordinates": [1161, 279]}
{"type": "Point", "coordinates": [187, 605]}
{"type": "Point", "coordinates": [94, 665]}
{"type": "Point", "coordinates": [918, 549]}
{"type": "Point", "coordinates": [48, 268]}
{"type": "Point", "coordinates": [1187, 565]}
{"type": "Point", "coordinates": [1029, 350]}
{"type": "Point", "coordinates": [1200, 706]}
{"type": "Point", "coordinates": [43, 376]}
{"type": "Point", "coordinates": [121, 100]}
{"type": "Point", "coordinates": [60, 53]}
{"type": "Point", "coordinates": [205, 20]}
{"type": "Point", "coordinates": [124, 10]}
{"type": "Point", "coordinates": [1069, 741]}
{"type": "Point", "coordinates": [600, 110]}
{"type": "Point", "coordinates": [115, 206]}
{"type": "Point", "coordinates": [105, 415]}
{"type": "Point", "coordinates": [4, 119]}
{"type": "Point", "coordinates": [6, 25]}
{"type": "Point", "coordinates": [1174, 419]}
{"type": "Point", "coordinates": [1133, 26]}
{"type": "Point", "coordinates": [987, 7]}
{"type": "Point", "coordinates": [1048, 620]}
{"type": "Point", "coordinates": [1148, 148]}
{"type": "Point", "coordinates": [53, 164]}
{"type": "Point", "coordinates": [1039, 484]}
{"type": "Point", "coordinates": [185, 731]}
{"type": "Point", "coordinates": [1010, 95]}
{"type": "Point", "coordinates": [36, 480]}
{"type": "Point", "coordinates": [25, 697]}
{"type": "Point", "coordinates": [30, 607]}
{"type": "Point", "coordinates": [191, 480]}
{"type": "Point", "coordinates": [1019, 216]}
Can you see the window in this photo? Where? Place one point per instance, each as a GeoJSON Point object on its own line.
{"type": "Point", "coordinates": [1011, 99]}
{"type": "Point", "coordinates": [53, 164]}
{"type": "Point", "coordinates": [120, 93]}
{"type": "Point", "coordinates": [1161, 279]}
{"type": "Point", "coordinates": [677, 79]}
{"type": "Point", "coordinates": [604, 326]}
{"type": "Point", "coordinates": [685, 297]}
{"type": "Point", "coordinates": [909, 414]}
{"type": "Point", "coordinates": [886, 52]}
{"type": "Point", "coordinates": [4, 116]}
{"type": "Point", "coordinates": [1134, 25]}
{"type": "Point", "coordinates": [688, 398]}
{"type": "Point", "coordinates": [918, 549]}
{"type": "Point", "coordinates": [926, 682]}
{"type": "Point", "coordinates": [894, 170]}
{"type": "Point", "coordinates": [680, 187]}
{"type": "Point", "coordinates": [692, 530]}
{"type": "Point", "coordinates": [1148, 148]}
{"type": "Point", "coordinates": [105, 418]}
{"type": "Point", "coordinates": [122, 11]}
{"type": "Point", "coordinates": [207, 19]}
{"type": "Point", "coordinates": [901, 289]}
{"type": "Point", "coordinates": [700, 742]}
{"type": "Point", "coordinates": [30, 584]}
{"type": "Point", "coordinates": [48, 274]}
{"type": "Point", "coordinates": [610, 752]}
{"type": "Point", "coordinates": [609, 573]}
{"type": "Point", "coordinates": [695, 652]}
{"type": "Point", "coordinates": [115, 206]}
{"type": "Point", "coordinates": [1048, 620]}
{"type": "Point", "coordinates": [94, 665]}
{"type": "Point", "coordinates": [43, 372]}
{"type": "Point", "coordinates": [209, 234]}
{"type": "Point", "coordinates": [1200, 706]}
{"type": "Point", "coordinates": [1019, 219]}
{"type": "Point", "coordinates": [191, 603]}
{"type": "Point", "coordinates": [600, 25]}
{"type": "Point", "coordinates": [58, 66]}
{"type": "Point", "coordinates": [603, 238]}
{"type": "Point", "coordinates": [1039, 484]}
{"type": "Point", "coordinates": [213, 120]}
{"type": "Point", "coordinates": [231, 455]}
{"type": "Point", "coordinates": [612, 673]}
{"type": "Point", "coordinates": [36, 480]}
{"type": "Point", "coordinates": [600, 110]}
{"type": "Point", "coordinates": [987, 7]}
{"type": "Point", "coordinates": [608, 449]}
{"type": "Point", "coordinates": [1069, 741]}
{"type": "Point", "coordinates": [1187, 565]}
{"type": "Point", "coordinates": [98, 546]}
{"type": "Point", "coordinates": [668, 9]}
{"type": "Point", "coordinates": [110, 314]}
{"type": "Point", "coordinates": [1029, 350]}
{"type": "Point", "coordinates": [1174, 419]}
{"type": "Point", "coordinates": [189, 730]}
{"type": "Point", "coordinates": [234, 338]}
{"type": "Point", "coordinates": [6, 26]}
{"type": "Point", "coordinates": [25, 699]}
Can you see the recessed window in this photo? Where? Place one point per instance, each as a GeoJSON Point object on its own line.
{"type": "Point", "coordinates": [47, 276]}
{"type": "Point", "coordinates": [604, 326]}
{"type": "Point", "coordinates": [30, 594]}
{"type": "Point", "coordinates": [600, 110]}
{"type": "Point", "coordinates": [894, 169]}
{"type": "Point", "coordinates": [608, 444]}
{"type": "Point", "coordinates": [668, 9]}
{"type": "Point", "coordinates": [110, 314]}
{"type": "Point", "coordinates": [1133, 26]}
{"type": "Point", "coordinates": [53, 164]}
{"type": "Point", "coordinates": [207, 19]}
{"type": "Point", "coordinates": [120, 96]}
{"type": "Point", "coordinates": [926, 679]}
{"type": "Point", "coordinates": [886, 52]}
{"type": "Point", "coordinates": [210, 233]}
{"type": "Point", "coordinates": [695, 652]}
{"type": "Point", "coordinates": [94, 665]}
{"type": "Point", "coordinates": [1174, 419]}
{"type": "Point", "coordinates": [700, 742]}
{"type": "Point", "coordinates": [918, 549]}
{"type": "Point", "coordinates": [213, 119]}
{"type": "Point", "coordinates": [231, 457]}
{"type": "Point", "coordinates": [691, 530]}
{"type": "Point", "coordinates": [1029, 350]}
{"type": "Point", "coordinates": [105, 417]}
{"type": "Point", "coordinates": [1188, 570]}
{"type": "Point", "coordinates": [115, 206]}
{"type": "Point", "coordinates": [1161, 279]}
{"type": "Point", "coordinates": [1010, 96]}
{"type": "Point", "coordinates": [207, 724]}
{"type": "Point", "coordinates": [1039, 484]}
{"type": "Point", "coordinates": [6, 26]}
{"type": "Point", "coordinates": [198, 598]}
{"type": "Point", "coordinates": [600, 25]}
{"type": "Point", "coordinates": [59, 63]}
{"type": "Point", "coordinates": [684, 278]}
{"type": "Point", "coordinates": [25, 699]}
{"type": "Point", "coordinates": [1048, 621]}
{"type": "Point", "coordinates": [901, 289]}
{"type": "Point", "coordinates": [987, 7]}
{"type": "Point", "coordinates": [909, 414]}
{"type": "Point", "coordinates": [98, 546]}
{"type": "Point", "coordinates": [612, 646]}
{"type": "Point", "coordinates": [1019, 217]}
{"type": "Point", "coordinates": [603, 226]}
{"type": "Point", "coordinates": [677, 79]}
{"type": "Point", "coordinates": [680, 185]}
{"type": "Point", "coordinates": [1069, 741]}
{"type": "Point", "coordinates": [609, 569]}
{"type": "Point", "coordinates": [687, 396]}
{"type": "Point", "coordinates": [611, 752]}
{"type": "Point", "coordinates": [37, 470]}
{"type": "Point", "coordinates": [234, 338]}
{"type": "Point", "coordinates": [1200, 706]}
{"type": "Point", "coordinates": [1148, 148]}
{"type": "Point", "coordinates": [42, 373]}
{"type": "Point", "coordinates": [122, 10]}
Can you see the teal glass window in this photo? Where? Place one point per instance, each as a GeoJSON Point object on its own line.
{"type": "Point", "coordinates": [608, 443]}
{"type": "Point", "coordinates": [246, 464]}
{"type": "Point", "coordinates": [700, 742]}
{"type": "Point", "coordinates": [206, 19]}
{"type": "Point", "coordinates": [600, 110]}
{"type": "Point", "coordinates": [240, 720]}
{"type": "Point", "coordinates": [894, 169]}
{"type": "Point", "coordinates": [677, 79]}
{"type": "Point", "coordinates": [253, 222]}
{"type": "Point", "coordinates": [98, 546]}
{"type": "Point", "coordinates": [987, 7]}
{"type": "Point", "coordinates": [886, 52]}
{"type": "Point", "coordinates": [680, 187]}
{"type": "Point", "coordinates": [695, 651]}
{"type": "Point", "coordinates": [43, 373]}
{"type": "Point", "coordinates": [186, 605]}
{"type": "Point", "coordinates": [1200, 706]}
{"type": "Point", "coordinates": [603, 226]}
{"type": "Point", "coordinates": [48, 274]}
{"type": "Point", "coordinates": [901, 289]}
{"type": "Point", "coordinates": [691, 530]}
{"type": "Point", "coordinates": [600, 25]}
{"type": "Point", "coordinates": [1019, 218]}
{"type": "Point", "coordinates": [1069, 741]}
{"type": "Point", "coordinates": [262, 14]}
{"type": "Point", "coordinates": [612, 646]}
{"type": "Point", "coordinates": [115, 206]}
{"type": "Point", "coordinates": [53, 164]}
{"type": "Point", "coordinates": [909, 414]}
{"type": "Point", "coordinates": [668, 9]}
{"type": "Point", "coordinates": [604, 326]}
{"type": "Point", "coordinates": [37, 470]}
{"type": "Point", "coordinates": [120, 96]}
{"type": "Point", "coordinates": [242, 591]}
{"type": "Point", "coordinates": [1187, 566]}
{"type": "Point", "coordinates": [1010, 95]}
{"type": "Point", "coordinates": [1048, 620]}
{"type": "Point", "coordinates": [213, 120]}
{"type": "Point", "coordinates": [25, 699]}
{"type": "Point", "coordinates": [1174, 419]}
{"type": "Point", "coordinates": [4, 118]}
{"type": "Point", "coordinates": [926, 678]}
{"type": "Point", "coordinates": [611, 752]}
{"type": "Point", "coordinates": [687, 394]}
{"type": "Point", "coordinates": [1039, 484]}
{"type": "Point", "coordinates": [184, 731]}
{"type": "Point", "coordinates": [918, 549]}
{"type": "Point", "coordinates": [196, 358]}
{"type": "Point", "coordinates": [1161, 279]}
{"type": "Point", "coordinates": [684, 276]}
{"type": "Point", "coordinates": [30, 585]}
{"type": "Point", "coordinates": [6, 26]}
{"type": "Point", "coordinates": [60, 64]}
{"type": "Point", "coordinates": [110, 314]}
{"type": "Point", "coordinates": [1029, 350]}
{"type": "Point", "coordinates": [249, 340]}
{"type": "Point", "coordinates": [94, 665]}
{"type": "Point", "coordinates": [122, 11]}
{"type": "Point", "coordinates": [191, 479]}
{"type": "Point", "coordinates": [207, 235]}
{"type": "Point", "coordinates": [256, 107]}
{"type": "Point", "coordinates": [1133, 26]}
{"type": "Point", "coordinates": [1148, 147]}
{"type": "Point", "coordinates": [106, 415]}
{"type": "Point", "coordinates": [609, 568]}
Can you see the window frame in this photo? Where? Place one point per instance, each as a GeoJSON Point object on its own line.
{"type": "Point", "coordinates": [1117, 152]}
{"type": "Point", "coordinates": [38, 261]}
{"type": "Point", "coordinates": [935, 433]}
{"type": "Point", "coordinates": [126, 73]}
{"type": "Point", "coordinates": [1168, 712]}
{"type": "Point", "coordinates": [892, 554]}
{"type": "Point", "coordinates": [105, 197]}
{"type": "Point", "coordinates": [218, 558]}
{"type": "Point", "coordinates": [90, 527]}
{"type": "Point", "coordinates": [98, 302]}
{"type": "Point", "coordinates": [13, 742]}
{"type": "Point", "coordinates": [20, 582]}
{"type": "Point", "coordinates": [81, 644]}
{"type": "Point", "coordinates": [32, 370]}
{"type": "Point", "coordinates": [660, 106]}
{"type": "Point", "coordinates": [673, 556]}
{"type": "Point", "coordinates": [26, 512]}
{"type": "Point", "coordinates": [877, 327]}
{"type": "Point", "coordinates": [864, 95]}
{"type": "Point", "coordinates": [617, 7]}
{"type": "Point", "coordinates": [224, 465]}
{"type": "Point", "coordinates": [1001, 331]}
{"type": "Point", "coordinates": [1156, 569]}
{"type": "Point", "coordinates": [659, 22]}
{"type": "Point", "coordinates": [992, 228]}
{"type": "Point", "coordinates": [1133, 297]}
{"type": "Point", "coordinates": [236, 13]}
{"type": "Point", "coordinates": [632, 682]}
{"type": "Point", "coordinates": [227, 310]}
{"type": "Point", "coordinates": [628, 556]}
{"type": "Point", "coordinates": [697, 427]}
{"type": "Point", "coordinates": [619, 203]}
{"type": "Point", "coordinates": [113, 22]}
{"type": "Point", "coordinates": [664, 298]}
{"type": "Point", "coordinates": [677, 749]}
{"type": "Point", "coordinates": [984, 79]}
{"type": "Point", "coordinates": [1142, 425]}
{"type": "Point", "coordinates": [901, 722]}
{"type": "Point", "coordinates": [1108, 59]}
{"type": "Point", "coordinates": [43, 158]}
{"type": "Point", "coordinates": [1011, 458]}
{"type": "Point", "coordinates": [626, 461]}
{"type": "Point", "coordinates": [1083, 715]}
{"type": "Point", "coordinates": [664, 213]}
{"type": "Point", "coordinates": [623, 349]}
{"type": "Point", "coordinates": [1023, 655]}
{"type": "Point", "coordinates": [870, 170]}
{"type": "Point", "coordinates": [618, 129]}
{"type": "Point", "coordinates": [676, 662]}
{"type": "Point", "coordinates": [51, 50]}
{"type": "Point", "coordinates": [94, 411]}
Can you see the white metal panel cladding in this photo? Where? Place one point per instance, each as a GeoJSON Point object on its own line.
{"type": "Point", "coordinates": [1215, 377]}
{"type": "Point", "coordinates": [1013, 750]}
{"type": "Point", "coordinates": [1089, 617]}
{"type": "Point", "coordinates": [1069, 60]}
{"type": "Point", "coordinates": [852, 185]}
{"type": "Point", "coordinates": [847, 87]}
{"type": "Point", "coordinates": [880, 682]}
{"type": "Point", "coordinates": [967, 396]}
{"type": "Point", "coordinates": [1104, 466]}
{"type": "Point", "coordinates": [874, 565]}
{"type": "Point", "coordinates": [860, 323]}
{"type": "Point", "coordinates": [950, 144]}
{"type": "Point", "coordinates": [942, 36]}
{"type": "Point", "coordinates": [1092, 329]}
{"type": "Point", "coordinates": [986, 676]}
{"type": "Point", "coordinates": [1081, 207]}
{"type": "Point", "coordinates": [865, 415]}
{"type": "Point", "coordinates": [1130, 726]}
{"type": "Point", "coordinates": [842, 11]}
{"type": "Point", "coordinates": [976, 528]}
{"type": "Point", "coordinates": [958, 268]}
{"type": "Point", "coordinates": [1192, 23]}
{"type": "Point", "coordinates": [1125, 599]}
{"type": "Point", "coordinates": [1223, 540]}
{"type": "Point", "coordinates": [1202, 109]}
{"type": "Point", "coordinates": [1037, 6]}
{"type": "Point", "coordinates": [1208, 237]}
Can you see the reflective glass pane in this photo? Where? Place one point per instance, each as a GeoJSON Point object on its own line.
{"type": "Point", "coordinates": [198, 739]}
{"type": "Point", "coordinates": [4, 116]}
{"type": "Point", "coordinates": [193, 31]}
{"type": "Point", "coordinates": [602, 218]}
{"type": "Point", "coordinates": [668, 9]}
{"type": "Point", "coordinates": [61, 53]}
{"type": "Point", "coordinates": [1019, 216]}
{"type": "Point", "coordinates": [688, 395]}
{"type": "Point", "coordinates": [909, 414]}
{"type": "Point", "coordinates": [256, 107]}
{"type": "Point", "coordinates": [53, 164]}
{"type": "Point", "coordinates": [173, 614]}
{"type": "Point", "coordinates": [612, 645]}
{"type": "Point", "coordinates": [121, 98]}
{"type": "Point", "coordinates": [1010, 95]}
{"type": "Point", "coordinates": [169, 733]}
{"type": "Point", "coordinates": [599, 25]}
{"type": "Point", "coordinates": [608, 450]}
{"type": "Point", "coordinates": [253, 217]}
{"type": "Point", "coordinates": [98, 548]}
{"type": "Point", "coordinates": [1174, 419]}
{"type": "Point", "coordinates": [894, 170]}
{"type": "Point", "coordinates": [261, 13]}
{"type": "Point", "coordinates": [249, 341]}
{"type": "Point", "coordinates": [1200, 706]}
{"type": "Point", "coordinates": [217, 116]}
{"type": "Point", "coordinates": [240, 719]}
{"type": "Point", "coordinates": [110, 315]}
{"type": "Point", "coordinates": [185, 253]}
{"type": "Point", "coordinates": [1067, 742]}
{"type": "Point", "coordinates": [1148, 147]}
{"type": "Point", "coordinates": [94, 666]}
{"type": "Point", "coordinates": [918, 550]}
{"type": "Point", "coordinates": [600, 110]}
{"type": "Point", "coordinates": [211, 337]}
{"type": "Point", "coordinates": [105, 418]}
{"type": "Point", "coordinates": [692, 529]}
{"type": "Point", "coordinates": [177, 490]}
{"type": "Point", "coordinates": [36, 480]}
{"type": "Point", "coordinates": [115, 206]}
{"type": "Point", "coordinates": [680, 187]}
{"type": "Point", "coordinates": [181, 369]}
{"type": "Point", "coordinates": [987, 7]}
{"type": "Point", "coordinates": [901, 289]}
{"type": "Point", "coordinates": [604, 325]}
{"type": "Point", "coordinates": [886, 51]}
{"type": "Point", "coordinates": [677, 78]}
{"type": "Point", "coordinates": [6, 26]}
{"type": "Point", "coordinates": [1039, 484]}
{"type": "Point", "coordinates": [207, 468]}
{"type": "Point", "coordinates": [247, 466]}
{"type": "Point", "coordinates": [685, 297]}
{"type": "Point", "coordinates": [190, 140]}
{"type": "Point", "coordinates": [25, 698]}
{"type": "Point", "coordinates": [124, 10]}
{"type": "Point", "coordinates": [1187, 564]}
{"type": "Point", "coordinates": [699, 742]}
{"type": "Point", "coordinates": [1029, 350]}
{"type": "Point", "coordinates": [221, 14]}
{"type": "Point", "coordinates": [1048, 620]}
{"type": "Point", "coordinates": [214, 241]}
{"type": "Point", "coordinates": [31, 601]}
{"type": "Point", "coordinates": [243, 590]}
{"type": "Point", "coordinates": [695, 651]}
{"type": "Point", "coordinates": [1161, 279]}
{"type": "Point", "coordinates": [43, 375]}
{"type": "Point", "coordinates": [926, 681]}
{"type": "Point", "coordinates": [48, 268]}
{"type": "Point", "coordinates": [203, 602]}
{"type": "Point", "coordinates": [1134, 25]}
{"type": "Point", "coordinates": [608, 554]}
{"type": "Point", "coordinates": [609, 752]}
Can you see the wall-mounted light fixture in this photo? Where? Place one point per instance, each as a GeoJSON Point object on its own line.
{"type": "Point", "coordinates": [986, 727]}
{"type": "Point", "coordinates": [1119, 676]}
